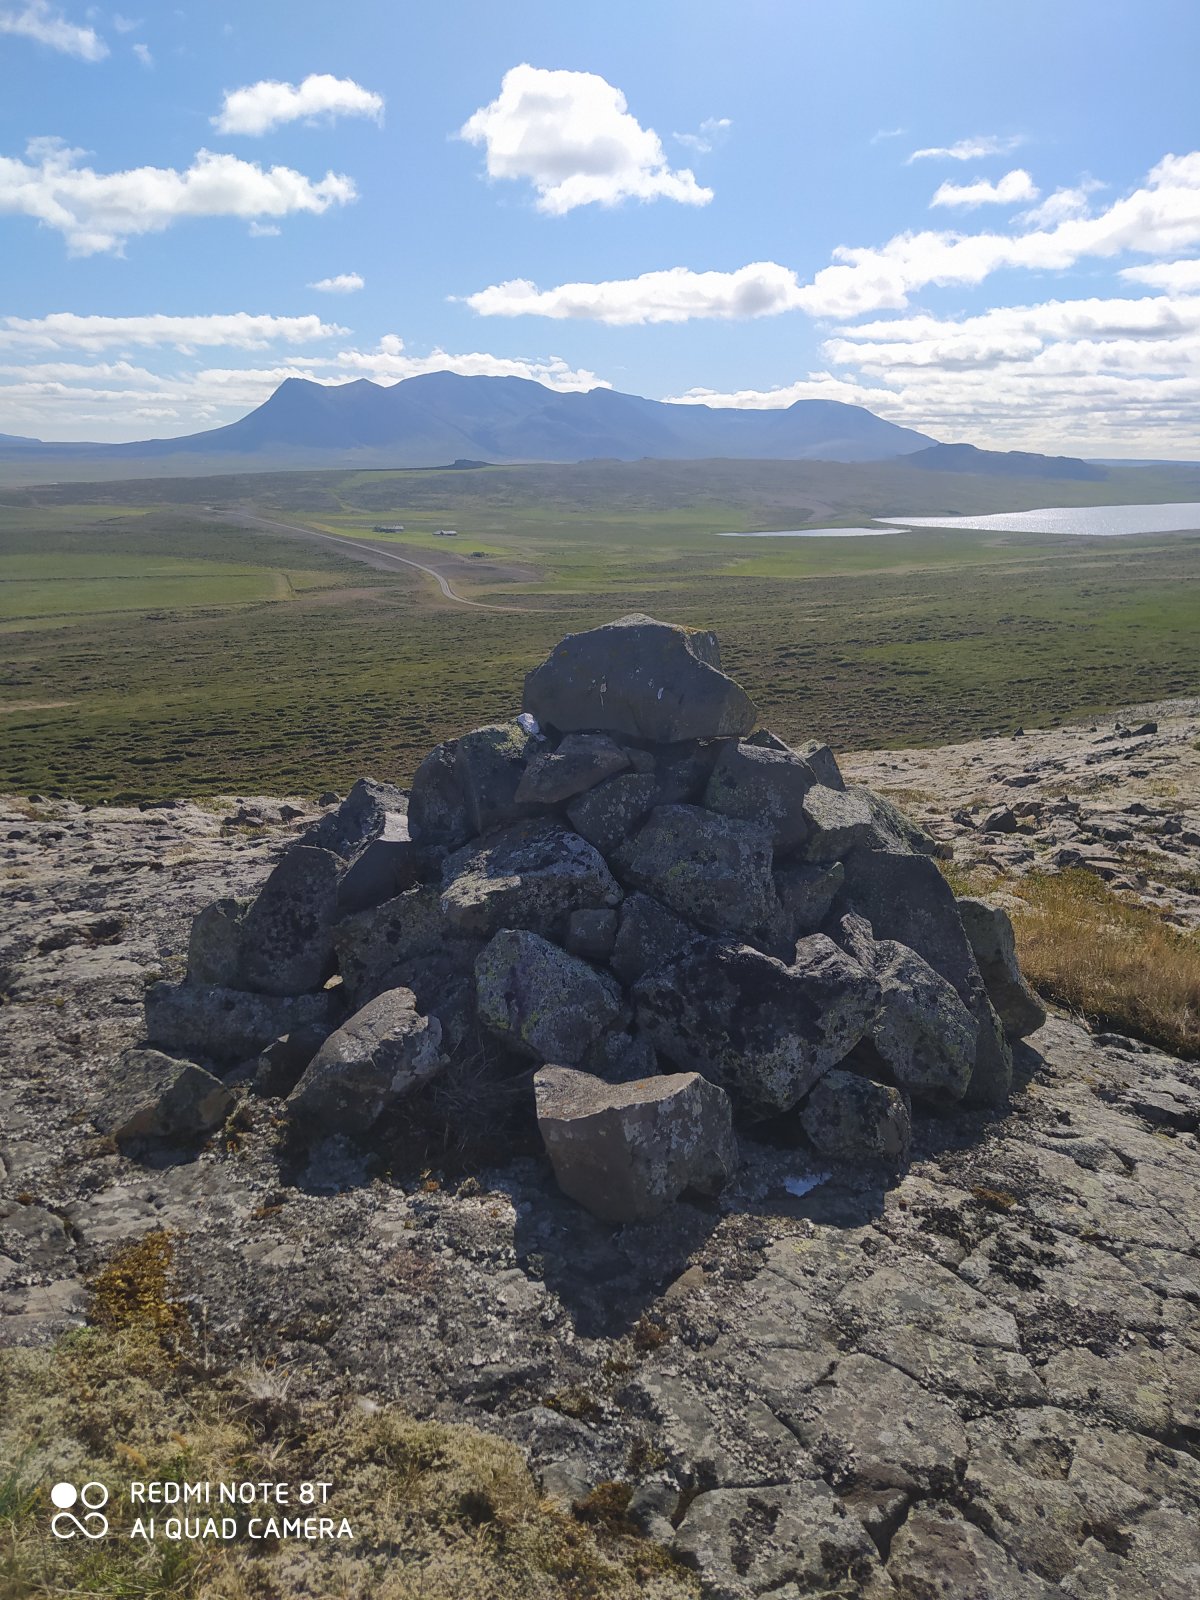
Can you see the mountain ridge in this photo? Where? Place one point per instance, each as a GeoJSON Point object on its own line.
{"type": "Point", "coordinates": [440, 416]}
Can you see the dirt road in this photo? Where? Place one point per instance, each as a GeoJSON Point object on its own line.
{"type": "Point", "coordinates": [371, 554]}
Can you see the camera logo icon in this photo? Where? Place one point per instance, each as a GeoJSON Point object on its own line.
{"type": "Point", "coordinates": [91, 1523]}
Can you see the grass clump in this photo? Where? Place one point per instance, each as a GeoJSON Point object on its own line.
{"type": "Point", "coordinates": [1113, 960]}
{"type": "Point", "coordinates": [437, 1512]}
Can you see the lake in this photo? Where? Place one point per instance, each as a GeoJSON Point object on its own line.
{"type": "Point", "coordinates": [1095, 520]}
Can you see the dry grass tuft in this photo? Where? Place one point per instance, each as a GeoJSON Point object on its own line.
{"type": "Point", "coordinates": [1109, 958]}
{"type": "Point", "coordinates": [438, 1512]}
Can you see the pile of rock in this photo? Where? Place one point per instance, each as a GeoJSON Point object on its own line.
{"type": "Point", "coordinates": [681, 921]}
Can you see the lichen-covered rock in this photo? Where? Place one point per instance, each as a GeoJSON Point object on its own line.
{"type": "Point", "coordinates": [821, 760]}
{"type": "Point", "coordinates": [368, 812]}
{"type": "Point", "coordinates": [489, 764]}
{"type": "Point", "coordinates": [763, 1030]}
{"type": "Point", "coordinates": [621, 1057]}
{"type": "Point", "coordinates": [287, 934]}
{"type": "Point", "coordinates": [215, 942]}
{"type": "Point", "coordinates": [837, 821]}
{"type": "Point", "coordinates": [228, 1025]}
{"type": "Point", "coordinates": [642, 678]}
{"type": "Point", "coordinates": [376, 1059]}
{"type": "Point", "coordinates": [374, 943]}
{"type": "Point", "coordinates": [907, 899]}
{"type": "Point", "coordinates": [715, 871]}
{"type": "Point", "coordinates": [606, 815]}
{"type": "Point", "coordinates": [853, 1119]}
{"type": "Point", "coordinates": [924, 1032]}
{"type": "Point", "coordinates": [791, 1539]}
{"type": "Point", "coordinates": [591, 934]}
{"type": "Point", "coordinates": [541, 1001]}
{"type": "Point", "coordinates": [648, 936]}
{"type": "Point", "coordinates": [531, 875]}
{"type": "Point", "coordinates": [626, 1151]}
{"type": "Point", "coordinates": [437, 806]}
{"type": "Point", "coordinates": [581, 761]}
{"type": "Point", "coordinates": [384, 867]}
{"type": "Point", "coordinates": [159, 1097]}
{"type": "Point", "coordinates": [990, 933]}
{"type": "Point", "coordinates": [766, 787]}
{"type": "Point", "coordinates": [806, 893]}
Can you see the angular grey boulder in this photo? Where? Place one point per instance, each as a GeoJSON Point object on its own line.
{"type": "Point", "coordinates": [716, 871]}
{"type": "Point", "coordinates": [581, 761]}
{"type": "Point", "coordinates": [626, 1151]}
{"type": "Point", "coordinates": [530, 875]}
{"type": "Point", "coordinates": [215, 942]}
{"type": "Point", "coordinates": [820, 758]}
{"type": "Point", "coordinates": [766, 787]}
{"type": "Point", "coordinates": [541, 1001]}
{"type": "Point", "coordinates": [228, 1025]}
{"type": "Point", "coordinates": [646, 679]}
{"type": "Point", "coordinates": [606, 815]}
{"type": "Point", "coordinates": [762, 1030]}
{"type": "Point", "coordinates": [924, 1032]}
{"type": "Point", "coordinates": [838, 820]}
{"type": "Point", "coordinates": [852, 1119]}
{"type": "Point", "coordinates": [367, 812]}
{"type": "Point", "coordinates": [907, 899]}
{"type": "Point", "coordinates": [489, 764]}
{"type": "Point", "coordinates": [287, 934]}
{"type": "Point", "coordinates": [590, 934]}
{"type": "Point", "coordinates": [437, 806]}
{"type": "Point", "coordinates": [373, 943]}
{"type": "Point", "coordinates": [384, 867]}
{"type": "Point", "coordinates": [806, 892]}
{"type": "Point", "coordinates": [159, 1097]}
{"type": "Point", "coordinates": [648, 936]}
{"type": "Point", "coordinates": [377, 1058]}
{"type": "Point", "coordinates": [990, 933]}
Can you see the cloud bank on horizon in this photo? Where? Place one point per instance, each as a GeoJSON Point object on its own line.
{"type": "Point", "coordinates": [1058, 310]}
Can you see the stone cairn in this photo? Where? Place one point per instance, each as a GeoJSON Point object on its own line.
{"type": "Point", "coordinates": [685, 924]}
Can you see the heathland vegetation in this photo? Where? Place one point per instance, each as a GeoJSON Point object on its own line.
{"type": "Point", "coordinates": [154, 645]}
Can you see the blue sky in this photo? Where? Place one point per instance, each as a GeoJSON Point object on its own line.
{"type": "Point", "coordinates": [982, 221]}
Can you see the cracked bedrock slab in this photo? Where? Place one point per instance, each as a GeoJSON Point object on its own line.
{"type": "Point", "coordinates": [980, 1381]}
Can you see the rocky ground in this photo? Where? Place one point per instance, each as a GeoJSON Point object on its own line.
{"type": "Point", "coordinates": [981, 1380]}
{"type": "Point", "coordinates": [1120, 798]}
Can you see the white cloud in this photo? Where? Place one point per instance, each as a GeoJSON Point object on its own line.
{"type": "Point", "coordinates": [263, 230]}
{"type": "Point", "coordinates": [344, 283]}
{"type": "Point", "coordinates": [96, 212]}
{"type": "Point", "coordinates": [125, 24]}
{"type": "Point", "coordinates": [260, 107]}
{"type": "Point", "coordinates": [1014, 188]}
{"type": "Point", "coordinates": [1062, 205]}
{"type": "Point", "coordinates": [969, 149]}
{"type": "Point", "coordinates": [142, 52]}
{"type": "Point", "coordinates": [676, 295]}
{"type": "Point", "coordinates": [887, 133]}
{"type": "Point", "coordinates": [1182, 275]}
{"type": "Point", "coordinates": [572, 136]}
{"type": "Point", "coordinates": [711, 132]}
{"type": "Point", "coordinates": [113, 400]}
{"type": "Point", "coordinates": [1102, 376]}
{"type": "Point", "coordinates": [1160, 218]}
{"type": "Point", "coordinates": [38, 20]}
{"type": "Point", "coordinates": [242, 330]}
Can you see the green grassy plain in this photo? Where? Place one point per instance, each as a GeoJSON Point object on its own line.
{"type": "Point", "coordinates": [149, 647]}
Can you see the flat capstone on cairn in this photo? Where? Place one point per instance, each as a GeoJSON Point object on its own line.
{"type": "Point", "coordinates": [631, 893]}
